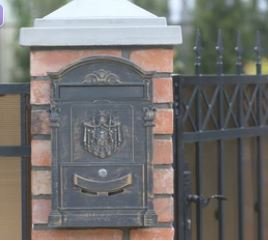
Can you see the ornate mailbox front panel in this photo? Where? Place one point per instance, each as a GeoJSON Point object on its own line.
{"type": "Point", "coordinates": [102, 118]}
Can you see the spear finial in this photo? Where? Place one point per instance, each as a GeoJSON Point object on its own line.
{"type": "Point", "coordinates": [258, 53]}
{"type": "Point", "coordinates": [219, 50]}
{"type": "Point", "coordinates": [239, 52]}
{"type": "Point", "coordinates": [197, 49]}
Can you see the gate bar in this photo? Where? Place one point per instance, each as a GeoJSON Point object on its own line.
{"type": "Point", "coordinates": [182, 232]}
{"type": "Point", "coordinates": [259, 140]}
{"type": "Point", "coordinates": [198, 145]}
{"type": "Point", "coordinates": [220, 144]}
{"type": "Point", "coordinates": [16, 88]}
{"type": "Point", "coordinates": [240, 142]}
{"type": "Point", "coordinates": [25, 170]}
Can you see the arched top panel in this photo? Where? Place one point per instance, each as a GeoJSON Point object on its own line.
{"type": "Point", "coordinates": [101, 70]}
{"type": "Point", "coordinates": [99, 78]}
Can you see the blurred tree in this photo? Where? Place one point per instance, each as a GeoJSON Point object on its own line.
{"type": "Point", "coordinates": [25, 11]}
{"type": "Point", "coordinates": [160, 8]}
{"type": "Point", "coordinates": [229, 16]}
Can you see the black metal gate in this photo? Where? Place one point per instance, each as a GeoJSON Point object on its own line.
{"type": "Point", "coordinates": [221, 138]}
{"type": "Point", "coordinates": [15, 147]}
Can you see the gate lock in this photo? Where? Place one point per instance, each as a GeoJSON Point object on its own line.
{"type": "Point", "coordinates": [203, 201]}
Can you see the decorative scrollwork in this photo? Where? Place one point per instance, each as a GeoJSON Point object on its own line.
{"type": "Point", "coordinates": [102, 135]}
{"type": "Point", "coordinates": [101, 77]}
{"type": "Point", "coordinates": [54, 115]}
{"type": "Point", "coordinates": [149, 116]}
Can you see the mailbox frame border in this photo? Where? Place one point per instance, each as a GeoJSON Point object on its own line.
{"type": "Point", "coordinates": [59, 219]}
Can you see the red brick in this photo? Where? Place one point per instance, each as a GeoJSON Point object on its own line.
{"type": "Point", "coordinates": [40, 122]}
{"type": "Point", "coordinates": [162, 90]}
{"type": "Point", "coordinates": [164, 208]}
{"type": "Point", "coordinates": [164, 181]}
{"type": "Point", "coordinates": [41, 182]}
{"type": "Point", "coordinates": [40, 92]}
{"type": "Point", "coordinates": [40, 211]}
{"type": "Point", "coordinates": [54, 60]}
{"type": "Point", "coordinates": [152, 234]}
{"type": "Point", "coordinates": [164, 121]}
{"type": "Point", "coordinates": [163, 152]}
{"type": "Point", "coordinates": [75, 234]}
{"type": "Point", "coordinates": [160, 59]}
{"type": "Point", "coordinates": [41, 153]}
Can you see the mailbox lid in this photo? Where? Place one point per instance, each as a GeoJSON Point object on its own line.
{"type": "Point", "coordinates": [102, 78]}
{"type": "Point", "coordinates": [97, 186]}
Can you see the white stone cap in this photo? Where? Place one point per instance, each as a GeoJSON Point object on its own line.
{"type": "Point", "coordinates": [100, 23]}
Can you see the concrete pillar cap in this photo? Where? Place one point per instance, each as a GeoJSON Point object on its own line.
{"type": "Point", "coordinates": [100, 23]}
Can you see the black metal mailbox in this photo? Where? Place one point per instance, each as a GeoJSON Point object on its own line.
{"type": "Point", "coordinates": [102, 118]}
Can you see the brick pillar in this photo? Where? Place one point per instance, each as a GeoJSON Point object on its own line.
{"type": "Point", "coordinates": [159, 60]}
{"type": "Point", "coordinates": [145, 40]}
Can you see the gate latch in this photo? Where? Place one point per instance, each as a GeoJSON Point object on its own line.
{"type": "Point", "coordinates": [203, 201]}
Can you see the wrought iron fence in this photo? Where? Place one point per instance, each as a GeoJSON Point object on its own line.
{"type": "Point", "coordinates": [221, 125]}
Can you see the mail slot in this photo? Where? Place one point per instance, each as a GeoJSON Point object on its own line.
{"type": "Point", "coordinates": [102, 117]}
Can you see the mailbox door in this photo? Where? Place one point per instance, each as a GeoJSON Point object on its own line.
{"type": "Point", "coordinates": [102, 118]}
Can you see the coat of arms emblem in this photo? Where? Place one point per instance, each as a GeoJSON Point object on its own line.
{"type": "Point", "coordinates": [102, 135]}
